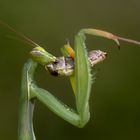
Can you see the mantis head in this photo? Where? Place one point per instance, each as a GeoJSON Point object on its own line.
{"type": "Point", "coordinates": [41, 56]}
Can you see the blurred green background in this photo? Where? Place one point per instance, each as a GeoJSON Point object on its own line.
{"type": "Point", "coordinates": [115, 97]}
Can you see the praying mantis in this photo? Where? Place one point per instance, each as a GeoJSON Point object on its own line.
{"type": "Point", "coordinates": [75, 64]}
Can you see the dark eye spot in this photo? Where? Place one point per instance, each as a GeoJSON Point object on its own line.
{"type": "Point", "coordinates": [56, 61]}
{"type": "Point", "coordinates": [54, 73]}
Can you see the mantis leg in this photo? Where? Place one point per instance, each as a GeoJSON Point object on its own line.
{"type": "Point", "coordinates": [26, 106]}
{"type": "Point", "coordinates": [81, 81]}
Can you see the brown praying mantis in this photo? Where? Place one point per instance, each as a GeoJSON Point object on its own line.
{"type": "Point", "coordinates": [75, 64]}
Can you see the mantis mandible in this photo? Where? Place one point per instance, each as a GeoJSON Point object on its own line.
{"type": "Point", "coordinates": [75, 64]}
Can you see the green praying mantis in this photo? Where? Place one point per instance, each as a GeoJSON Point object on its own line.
{"type": "Point", "coordinates": [75, 64]}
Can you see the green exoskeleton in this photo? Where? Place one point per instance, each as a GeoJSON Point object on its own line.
{"type": "Point", "coordinates": [75, 64]}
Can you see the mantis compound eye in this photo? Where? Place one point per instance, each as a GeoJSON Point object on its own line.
{"type": "Point", "coordinates": [96, 56]}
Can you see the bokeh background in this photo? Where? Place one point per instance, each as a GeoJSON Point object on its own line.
{"type": "Point", "coordinates": [115, 97]}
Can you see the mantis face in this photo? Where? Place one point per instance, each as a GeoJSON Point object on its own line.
{"type": "Point", "coordinates": [64, 66]}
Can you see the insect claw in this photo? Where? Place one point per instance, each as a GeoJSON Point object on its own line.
{"type": "Point", "coordinates": [119, 47]}
{"type": "Point", "coordinates": [116, 39]}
